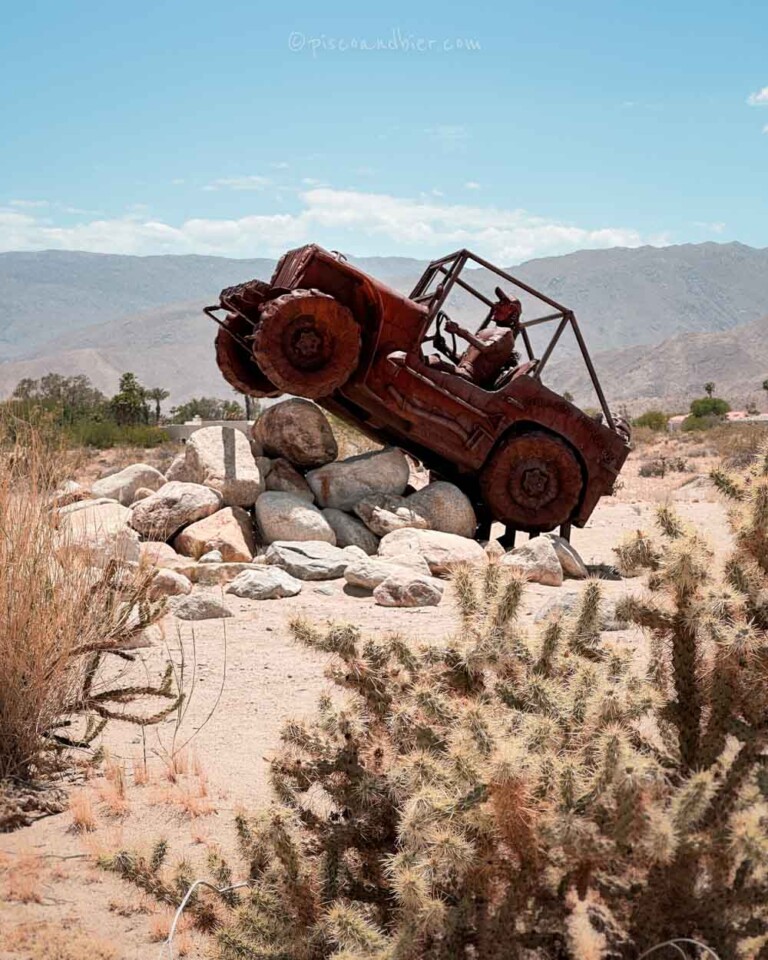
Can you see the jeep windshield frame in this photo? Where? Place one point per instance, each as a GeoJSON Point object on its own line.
{"type": "Point", "coordinates": [446, 273]}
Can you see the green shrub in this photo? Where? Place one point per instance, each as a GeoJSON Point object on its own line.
{"type": "Point", "coordinates": [655, 420]}
{"type": "Point", "coordinates": [104, 434]}
{"type": "Point", "coordinates": [709, 407]}
{"type": "Point", "coordinates": [692, 423]}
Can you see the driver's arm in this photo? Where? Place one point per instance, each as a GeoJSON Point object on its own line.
{"type": "Point", "coordinates": [453, 327]}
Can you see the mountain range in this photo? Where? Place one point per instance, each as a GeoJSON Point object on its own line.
{"type": "Point", "coordinates": [660, 321]}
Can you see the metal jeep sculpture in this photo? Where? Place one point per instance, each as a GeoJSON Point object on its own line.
{"type": "Point", "coordinates": [323, 329]}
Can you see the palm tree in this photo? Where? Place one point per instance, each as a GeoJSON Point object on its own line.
{"type": "Point", "coordinates": [709, 388]}
{"type": "Point", "coordinates": [158, 395]}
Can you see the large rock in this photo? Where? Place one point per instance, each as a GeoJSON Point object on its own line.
{"type": "Point", "coordinates": [98, 528]}
{"type": "Point", "coordinates": [297, 430]}
{"type": "Point", "coordinates": [350, 532]}
{"type": "Point", "coordinates": [173, 506]}
{"type": "Point", "coordinates": [537, 559]}
{"type": "Point", "coordinates": [343, 484]}
{"type": "Point", "coordinates": [445, 508]}
{"type": "Point", "coordinates": [284, 516]}
{"type": "Point", "coordinates": [230, 531]}
{"type": "Point", "coordinates": [169, 583]}
{"type": "Point", "coordinates": [221, 458]}
{"type": "Point", "coordinates": [122, 486]}
{"type": "Point", "coordinates": [160, 554]}
{"type": "Point", "coordinates": [285, 478]}
{"type": "Point", "coordinates": [384, 512]}
{"type": "Point", "coordinates": [404, 589]}
{"type": "Point", "coordinates": [198, 606]}
{"type": "Point", "coordinates": [265, 583]}
{"type": "Point", "coordinates": [310, 560]}
{"type": "Point", "coordinates": [442, 551]}
{"type": "Point", "coordinates": [572, 564]}
{"type": "Point", "coordinates": [372, 571]}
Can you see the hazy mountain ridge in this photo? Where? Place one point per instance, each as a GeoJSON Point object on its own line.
{"type": "Point", "coordinates": [144, 314]}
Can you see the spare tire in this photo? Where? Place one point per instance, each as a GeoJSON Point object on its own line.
{"type": "Point", "coordinates": [237, 363]}
{"type": "Point", "coordinates": [307, 343]}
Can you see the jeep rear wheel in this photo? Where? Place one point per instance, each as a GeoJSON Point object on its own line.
{"type": "Point", "coordinates": [307, 343]}
{"type": "Point", "coordinates": [532, 482]}
{"type": "Point", "coordinates": [236, 363]}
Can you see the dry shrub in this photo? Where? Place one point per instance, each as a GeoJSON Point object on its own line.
{"type": "Point", "coordinates": [60, 618]}
{"type": "Point", "coordinates": [24, 879]}
{"type": "Point", "coordinates": [82, 812]}
{"type": "Point", "coordinates": [60, 940]}
{"type": "Point", "coordinates": [737, 443]}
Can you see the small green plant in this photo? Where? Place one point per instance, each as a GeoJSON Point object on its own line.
{"type": "Point", "coordinates": [655, 420]}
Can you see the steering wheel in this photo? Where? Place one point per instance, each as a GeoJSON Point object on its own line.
{"type": "Point", "coordinates": [438, 340]}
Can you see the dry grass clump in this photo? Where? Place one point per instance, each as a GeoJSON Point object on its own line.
{"type": "Point", "coordinates": [60, 617]}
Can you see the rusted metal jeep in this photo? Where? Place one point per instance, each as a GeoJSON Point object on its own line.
{"type": "Point", "coordinates": [321, 328]}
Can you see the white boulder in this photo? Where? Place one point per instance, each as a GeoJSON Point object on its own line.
{"type": "Point", "coordinates": [122, 486]}
{"type": "Point", "coordinates": [537, 559]}
{"type": "Point", "coordinates": [221, 458]}
{"type": "Point", "coordinates": [284, 516]}
{"type": "Point", "coordinates": [404, 589]}
{"type": "Point", "coordinates": [442, 551]}
{"type": "Point", "coordinates": [265, 583]}
{"type": "Point", "coordinates": [384, 512]}
{"type": "Point", "coordinates": [228, 531]}
{"type": "Point", "coordinates": [173, 506]}
{"type": "Point", "coordinates": [309, 560]}
{"type": "Point", "coordinates": [343, 484]}
{"type": "Point", "coordinates": [198, 606]}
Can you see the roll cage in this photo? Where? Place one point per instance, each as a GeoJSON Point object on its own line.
{"type": "Point", "coordinates": [441, 276]}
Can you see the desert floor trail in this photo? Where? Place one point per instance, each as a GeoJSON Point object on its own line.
{"type": "Point", "coordinates": [51, 891]}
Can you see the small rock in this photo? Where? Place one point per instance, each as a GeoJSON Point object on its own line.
{"type": "Point", "coordinates": [122, 486]}
{"type": "Point", "coordinates": [265, 583]}
{"type": "Point", "coordinates": [343, 484]}
{"type": "Point", "coordinates": [169, 583]}
{"type": "Point", "coordinates": [355, 553]}
{"type": "Point", "coordinates": [403, 589]}
{"type": "Point", "coordinates": [283, 516]}
{"type": "Point", "coordinates": [221, 458]}
{"type": "Point", "coordinates": [309, 560]}
{"type": "Point", "coordinates": [350, 532]}
{"type": "Point", "coordinates": [325, 591]}
{"type": "Point", "coordinates": [213, 556]}
{"type": "Point", "coordinates": [297, 430]}
{"type": "Point", "coordinates": [215, 574]}
{"type": "Point", "coordinates": [537, 559]}
{"type": "Point", "coordinates": [197, 606]}
{"type": "Point", "coordinates": [494, 551]}
{"type": "Point", "coordinates": [141, 494]}
{"type": "Point", "coordinates": [446, 508]}
{"type": "Point", "coordinates": [178, 470]}
{"type": "Point", "coordinates": [285, 478]}
{"type": "Point", "coordinates": [572, 564]}
{"type": "Point", "coordinates": [382, 513]}
{"type": "Point", "coordinates": [69, 492]}
{"type": "Point", "coordinates": [442, 551]}
{"type": "Point", "coordinates": [173, 506]}
{"type": "Point", "coordinates": [229, 531]}
{"type": "Point", "coordinates": [368, 573]}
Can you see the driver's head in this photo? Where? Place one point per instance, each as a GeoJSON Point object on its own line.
{"type": "Point", "coordinates": [507, 311]}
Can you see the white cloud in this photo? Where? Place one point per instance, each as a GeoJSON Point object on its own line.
{"type": "Point", "coordinates": [23, 204]}
{"type": "Point", "coordinates": [310, 182]}
{"type": "Point", "coordinates": [765, 128]}
{"type": "Point", "coordinates": [716, 227]}
{"type": "Point", "coordinates": [471, 185]}
{"type": "Point", "coordinates": [758, 99]}
{"type": "Point", "coordinates": [346, 219]}
{"type": "Point", "coordinates": [239, 183]}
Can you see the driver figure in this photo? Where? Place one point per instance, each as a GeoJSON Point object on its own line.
{"type": "Point", "coordinates": [490, 352]}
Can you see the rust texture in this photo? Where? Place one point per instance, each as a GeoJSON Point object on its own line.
{"type": "Point", "coordinates": [382, 361]}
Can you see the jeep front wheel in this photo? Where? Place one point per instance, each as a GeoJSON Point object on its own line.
{"type": "Point", "coordinates": [532, 482]}
{"type": "Point", "coordinates": [236, 361]}
{"type": "Point", "coordinates": [307, 343]}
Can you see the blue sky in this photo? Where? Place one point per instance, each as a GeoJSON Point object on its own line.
{"type": "Point", "coordinates": [520, 129]}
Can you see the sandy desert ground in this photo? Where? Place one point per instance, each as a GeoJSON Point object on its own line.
{"type": "Point", "coordinates": [246, 677]}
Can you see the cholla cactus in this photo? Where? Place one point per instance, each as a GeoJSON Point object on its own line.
{"type": "Point", "coordinates": [505, 796]}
